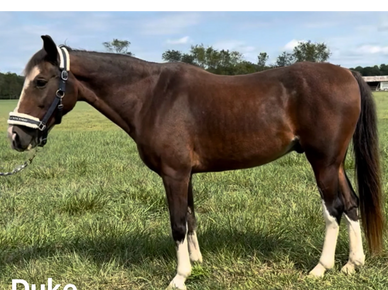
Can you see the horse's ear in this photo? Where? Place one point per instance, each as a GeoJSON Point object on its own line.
{"type": "Point", "coordinates": [51, 48]}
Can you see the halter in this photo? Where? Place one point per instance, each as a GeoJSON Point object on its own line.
{"type": "Point", "coordinates": [33, 122]}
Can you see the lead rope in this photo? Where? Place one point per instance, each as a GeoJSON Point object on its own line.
{"type": "Point", "coordinates": [20, 167]}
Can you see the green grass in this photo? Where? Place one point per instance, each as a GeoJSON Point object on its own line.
{"type": "Point", "coordinates": [89, 212]}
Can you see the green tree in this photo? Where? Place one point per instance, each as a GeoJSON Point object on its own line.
{"type": "Point", "coordinates": [370, 71]}
{"type": "Point", "coordinates": [11, 85]}
{"type": "Point", "coordinates": [2, 85]}
{"type": "Point", "coordinates": [358, 68]}
{"type": "Point", "coordinates": [262, 59]}
{"type": "Point", "coordinates": [383, 69]}
{"type": "Point", "coordinates": [284, 59]}
{"type": "Point", "coordinates": [216, 61]}
{"type": "Point", "coordinates": [308, 51]}
{"type": "Point", "coordinates": [246, 67]}
{"type": "Point", "coordinates": [304, 51]}
{"type": "Point", "coordinates": [188, 58]}
{"type": "Point", "coordinates": [172, 56]}
{"type": "Point", "coordinates": [177, 56]}
{"type": "Point", "coordinates": [117, 46]}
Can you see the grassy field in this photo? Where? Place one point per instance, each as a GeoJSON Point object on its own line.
{"type": "Point", "coordinates": [88, 212]}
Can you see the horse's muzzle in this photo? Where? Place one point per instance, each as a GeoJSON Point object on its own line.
{"type": "Point", "coordinates": [21, 138]}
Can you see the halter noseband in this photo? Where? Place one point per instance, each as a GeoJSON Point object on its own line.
{"type": "Point", "coordinates": [33, 122]}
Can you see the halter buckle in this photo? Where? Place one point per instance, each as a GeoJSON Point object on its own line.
{"type": "Point", "coordinates": [60, 94]}
{"type": "Point", "coordinates": [41, 126]}
{"type": "Point", "coordinates": [64, 75]}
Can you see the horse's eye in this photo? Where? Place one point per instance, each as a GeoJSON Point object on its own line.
{"type": "Point", "coordinates": [40, 83]}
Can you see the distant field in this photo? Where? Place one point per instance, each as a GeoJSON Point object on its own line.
{"type": "Point", "coordinates": [90, 213]}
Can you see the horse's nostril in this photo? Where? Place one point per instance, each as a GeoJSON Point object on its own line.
{"type": "Point", "coordinates": [15, 140]}
{"type": "Point", "coordinates": [21, 138]}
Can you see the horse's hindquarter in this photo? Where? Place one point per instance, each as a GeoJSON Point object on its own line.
{"type": "Point", "coordinates": [239, 122]}
{"type": "Point", "coordinates": [324, 105]}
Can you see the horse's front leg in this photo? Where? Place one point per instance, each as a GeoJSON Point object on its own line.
{"type": "Point", "coordinates": [176, 186]}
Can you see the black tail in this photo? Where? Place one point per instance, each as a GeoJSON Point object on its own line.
{"type": "Point", "coordinates": [366, 150]}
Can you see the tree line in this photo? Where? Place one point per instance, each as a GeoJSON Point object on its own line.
{"type": "Point", "coordinates": [218, 61]}
{"type": "Point", "coordinates": [376, 70]}
{"type": "Point", "coordinates": [10, 85]}
{"type": "Point", "coordinates": [228, 62]}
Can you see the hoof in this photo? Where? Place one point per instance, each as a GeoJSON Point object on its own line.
{"type": "Point", "coordinates": [172, 286]}
{"type": "Point", "coordinates": [348, 269]}
{"type": "Point", "coordinates": [196, 258]}
{"type": "Point", "coordinates": [177, 283]}
{"type": "Point", "coordinates": [318, 271]}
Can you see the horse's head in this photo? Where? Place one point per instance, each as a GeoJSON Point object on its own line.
{"type": "Point", "coordinates": [48, 93]}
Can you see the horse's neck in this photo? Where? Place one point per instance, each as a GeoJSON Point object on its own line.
{"type": "Point", "coordinates": [116, 90]}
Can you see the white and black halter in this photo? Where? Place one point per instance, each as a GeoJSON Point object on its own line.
{"type": "Point", "coordinates": [26, 120]}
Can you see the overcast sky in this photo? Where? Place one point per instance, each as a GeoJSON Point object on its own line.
{"type": "Point", "coordinates": [355, 38]}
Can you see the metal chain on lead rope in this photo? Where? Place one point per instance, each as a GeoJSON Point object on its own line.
{"type": "Point", "coordinates": [20, 167]}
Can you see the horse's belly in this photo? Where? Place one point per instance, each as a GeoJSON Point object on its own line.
{"type": "Point", "coordinates": [244, 154]}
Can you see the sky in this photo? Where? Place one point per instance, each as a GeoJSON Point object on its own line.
{"type": "Point", "coordinates": [354, 38]}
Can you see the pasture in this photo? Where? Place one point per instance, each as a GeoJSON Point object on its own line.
{"type": "Point", "coordinates": [88, 212]}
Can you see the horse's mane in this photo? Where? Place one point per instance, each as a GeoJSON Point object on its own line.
{"type": "Point", "coordinates": [40, 56]}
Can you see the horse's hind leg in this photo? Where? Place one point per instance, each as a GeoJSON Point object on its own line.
{"type": "Point", "coordinates": [326, 174]}
{"type": "Point", "coordinates": [356, 251]}
{"type": "Point", "coordinates": [195, 253]}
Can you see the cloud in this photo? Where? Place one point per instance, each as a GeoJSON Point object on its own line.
{"type": "Point", "coordinates": [249, 52]}
{"type": "Point", "coordinates": [291, 44]}
{"type": "Point", "coordinates": [383, 26]}
{"type": "Point", "coordinates": [228, 44]}
{"type": "Point", "coordinates": [170, 24]}
{"type": "Point", "coordinates": [319, 25]}
{"type": "Point", "coordinates": [373, 49]}
{"type": "Point", "coordinates": [182, 40]}
{"type": "Point", "coordinates": [96, 22]}
{"type": "Point", "coordinates": [149, 56]}
{"type": "Point", "coordinates": [247, 48]}
{"type": "Point", "coordinates": [238, 45]}
{"type": "Point", "coordinates": [352, 51]}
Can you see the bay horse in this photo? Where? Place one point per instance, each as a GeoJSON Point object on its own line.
{"type": "Point", "coordinates": [185, 120]}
